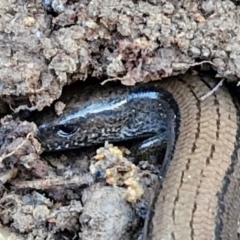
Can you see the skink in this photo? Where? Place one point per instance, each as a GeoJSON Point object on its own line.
{"type": "Point", "coordinates": [199, 196]}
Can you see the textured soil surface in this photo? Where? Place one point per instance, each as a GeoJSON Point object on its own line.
{"type": "Point", "coordinates": [45, 45]}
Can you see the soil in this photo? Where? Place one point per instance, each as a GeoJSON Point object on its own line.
{"type": "Point", "coordinates": [46, 45]}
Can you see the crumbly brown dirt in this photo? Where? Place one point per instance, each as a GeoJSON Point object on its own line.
{"type": "Point", "coordinates": [47, 44]}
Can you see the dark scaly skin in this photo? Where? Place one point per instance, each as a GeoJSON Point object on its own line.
{"type": "Point", "coordinates": [199, 196]}
{"type": "Point", "coordinates": [98, 114]}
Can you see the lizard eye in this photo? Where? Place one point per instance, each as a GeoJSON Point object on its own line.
{"type": "Point", "coordinates": [66, 131]}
